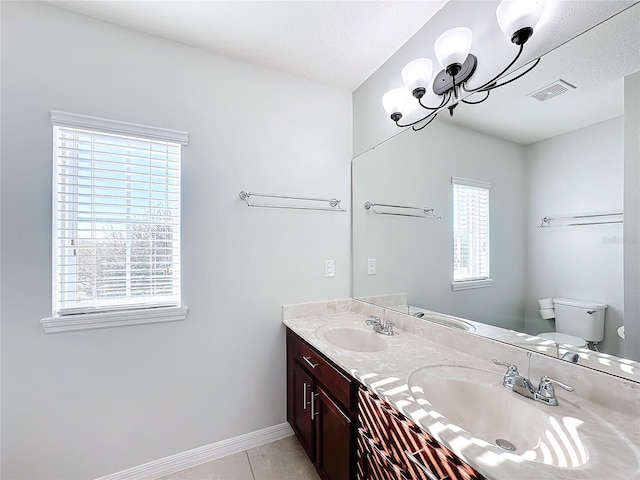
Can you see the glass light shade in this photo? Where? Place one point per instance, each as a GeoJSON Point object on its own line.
{"type": "Point", "coordinates": [453, 46]}
{"type": "Point", "coordinates": [396, 101]}
{"type": "Point", "coordinates": [417, 74]}
{"type": "Point", "coordinates": [514, 15]}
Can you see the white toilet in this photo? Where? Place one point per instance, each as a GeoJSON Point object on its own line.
{"type": "Point", "coordinates": [577, 322]}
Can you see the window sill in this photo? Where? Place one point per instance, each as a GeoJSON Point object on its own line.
{"type": "Point", "coordinates": [90, 321]}
{"type": "Point", "coordinates": [470, 284]}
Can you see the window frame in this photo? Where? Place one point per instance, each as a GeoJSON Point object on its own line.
{"type": "Point", "coordinates": [479, 282]}
{"type": "Point", "coordinates": [116, 315]}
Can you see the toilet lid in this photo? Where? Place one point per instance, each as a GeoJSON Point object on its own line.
{"type": "Point", "coordinates": [563, 338]}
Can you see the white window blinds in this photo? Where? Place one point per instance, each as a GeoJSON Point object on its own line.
{"type": "Point", "coordinates": [470, 230]}
{"type": "Point", "coordinates": [116, 215]}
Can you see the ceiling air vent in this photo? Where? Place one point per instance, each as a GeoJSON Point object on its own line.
{"type": "Point", "coordinates": [550, 91]}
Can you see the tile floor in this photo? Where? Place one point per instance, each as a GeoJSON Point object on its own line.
{"type": "Point", "coordinates": [281, 460]}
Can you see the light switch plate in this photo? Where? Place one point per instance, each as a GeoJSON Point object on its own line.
{"type": "Point", "coordinates": [371, 266]}
{"type": "Point", "coordinates": [329, 268]}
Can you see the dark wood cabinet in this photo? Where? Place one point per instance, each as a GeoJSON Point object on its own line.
{"type": "Point", "coordinates": [350, 433]}
{"type": "Point", "coordinates": [391, 446]}
{"type": "Point", "coordinates": [321, 402]}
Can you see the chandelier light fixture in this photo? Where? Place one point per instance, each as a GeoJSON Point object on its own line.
{"type": "Point", "coordinates": [517, 20]}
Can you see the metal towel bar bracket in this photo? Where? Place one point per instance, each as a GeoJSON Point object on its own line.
{"type": "Point", "coordinates": [426, 212]}
{"type": "Point", "coordinates": [334, 204]}
{"type": "Point", "coordinates": [579, 220]}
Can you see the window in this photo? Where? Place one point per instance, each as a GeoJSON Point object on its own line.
{"type": "Point", "coordinates": [116, 223]}
{"type": "Point", "coordinates": [470, 234]}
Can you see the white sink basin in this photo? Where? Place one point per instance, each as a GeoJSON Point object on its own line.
{"type": "Point", "coordinates": [451, 322]}
{"type": "Point", "coordinates": [476, 401]}
{"type": "Point", "coordinates": [446, 320]}
{"type": "Point", "coordinates": [355, 339]}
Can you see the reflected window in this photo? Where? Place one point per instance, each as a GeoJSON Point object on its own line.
{"type": "Point", "coordinates": [471, 260]}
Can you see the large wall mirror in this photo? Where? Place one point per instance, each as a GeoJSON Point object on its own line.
{"type": "Point", "coordinates": [555, 154]}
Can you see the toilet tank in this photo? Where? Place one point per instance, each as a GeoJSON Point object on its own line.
{"type": "Point", "coordinates": [580, 318]}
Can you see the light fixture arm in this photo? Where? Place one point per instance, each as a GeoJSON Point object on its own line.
{"type": "Point", "coordinates": [456, 93]}
{"type": "Point", "coordinates": [489, 85]}
{"type": "Point", "coordinates": [442, 104]}
{"type": "Point", "coordinates": [535, 64]}
{"type": "Point", "coordinates": [479, 101]}
{"type": "Point", "coordinates": [422, 126]}
{"type": "Point", "coordinates": [431, 114]}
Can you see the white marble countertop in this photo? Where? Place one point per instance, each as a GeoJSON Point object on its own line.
{"type": "Point", "coordinates": [611, 449]}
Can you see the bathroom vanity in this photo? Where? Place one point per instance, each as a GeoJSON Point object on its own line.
{"type": "Point", "coordinates": [429, 403]}
{"type": "Point", "coordinates": [372, 442]}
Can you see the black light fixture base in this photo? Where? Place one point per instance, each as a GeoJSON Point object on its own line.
{"type": "Point", "coordinates": [396, 116]}
{"type": "Point", "coordinates": [453, 69]}
{"type": "Point", "coordinates": [444, 82]}
{"type": "Point", "coordinates": [521, 36]}
{"type": "Point", "coordinates": [419, 92]}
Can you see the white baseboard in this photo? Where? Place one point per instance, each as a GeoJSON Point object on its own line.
{"type": "Point", "coordinates": [200, 455]}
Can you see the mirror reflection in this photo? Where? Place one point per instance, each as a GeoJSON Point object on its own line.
{"type": "Point", "coordinates": [543, 164]}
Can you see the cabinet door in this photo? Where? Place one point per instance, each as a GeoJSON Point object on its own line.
{"type": "Point", "coordinates": [374, 464]}
{"type": "Point", "coordinates": [300, 403]}
{"type": "Point", "coordinates": [334, 439]}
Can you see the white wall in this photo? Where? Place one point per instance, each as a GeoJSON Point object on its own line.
{"type": "Point", "coordinates": [413, 255]}
{"type": "Point", "coordinates": [85, 404]}
{"type": "Point", "coordinates": [581, 172]}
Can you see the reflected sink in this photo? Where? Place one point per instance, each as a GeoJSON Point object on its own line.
{"type": "Point", "coordinates": [355, 340]}
{"type": "Point", "coordinates": [476, 401]}
{"type": "Point", "coordinates": [451, 322]}
{"type": "Point", "coordinates": [446, 320]}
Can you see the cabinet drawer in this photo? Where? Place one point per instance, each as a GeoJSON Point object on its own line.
{"type": "Point", "coordinates": [324, 372]}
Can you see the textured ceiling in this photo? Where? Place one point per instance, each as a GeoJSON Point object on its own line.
{"type": "Point", "coordinates": [339, 43]}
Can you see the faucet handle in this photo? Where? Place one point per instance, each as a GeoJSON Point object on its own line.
{"type": "Point", "coordinates": [546, 386]}
{"type": "Point", "coordinates": [511, 368]}
{"type": "Point", "coordinates": [387, 329]}
{"type": "Point", "coordinates": [511, 375]}
{"type": "Point", "coordinates": [373, 320]}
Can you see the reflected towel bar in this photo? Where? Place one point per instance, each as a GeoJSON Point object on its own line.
{"type": "Point", "coordinates": [334, 204]}
{"type": "Point", "coordinates": [546, 221]}
{"type": "Point", "coordinates": [427, 212]}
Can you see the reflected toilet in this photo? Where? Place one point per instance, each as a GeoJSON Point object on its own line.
{"type": "Point", "coordinates": [578, 323]}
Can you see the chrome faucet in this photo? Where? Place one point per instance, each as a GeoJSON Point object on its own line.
{"type": "Point", "coordinates": [571, 357]}
{"type": "Point", "coordinates": [567, 356]}
{"type": "Point", "coordinates": [545, 392]}
{"type": "Point", "coordinates": [379, 327]}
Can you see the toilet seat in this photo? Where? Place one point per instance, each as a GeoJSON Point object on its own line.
{"type": "Point", "coordinates": [564, 339]}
